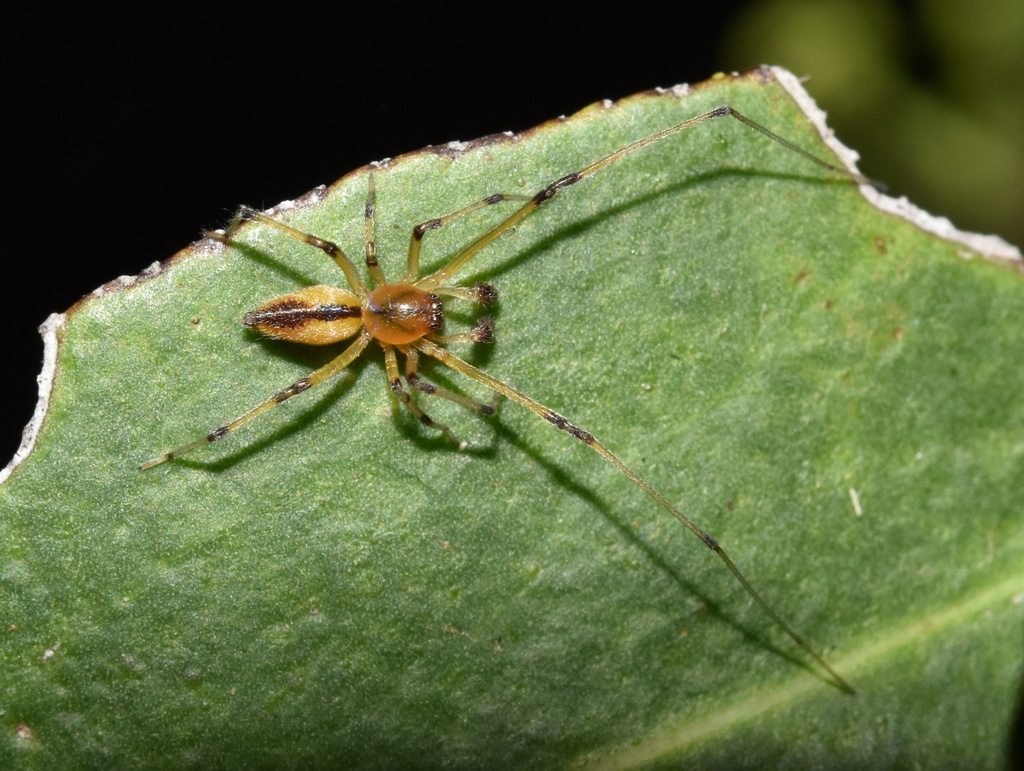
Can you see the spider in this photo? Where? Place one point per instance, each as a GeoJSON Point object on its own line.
{"type": "Point", "coordinates": [406, 316]}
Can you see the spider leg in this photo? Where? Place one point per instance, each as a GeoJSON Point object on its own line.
{"type": "Point", "coordinates": [413, 378]}
{"type": "Point", "coordinates": [395, 381]}
{"type": "Point", "coordinates": [329, 248]}
{"type": "Point", "coordinates": [552, 417]}
{"type": "Point", "coordinates": [413, 268]}
{"type": "Point", "coordinates": [330, 369]}
{"type": "Point", "coordinates": [371, 244]}
{"type": "Point", "coordinates": [441, 277]}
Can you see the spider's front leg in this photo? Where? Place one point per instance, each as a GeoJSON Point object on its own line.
{"type": "Point", "coordinates": [331, 249]}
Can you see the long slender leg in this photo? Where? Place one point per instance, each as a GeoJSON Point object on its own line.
{"type": "Point", "coordinates": [441, 277]}
{"type": "Point", "coordinates": [552, 417]}
{"type": "Point", "coordinates": [329, 248]}
{"type": "Point", "coordinates": [395, 381]}
{"type": "Point", "coordinates": [371, 243]}
{"type": "Point", "coordinates": [413, 378]}
{"type": "Point", "coordinates": [332, 367]}
{"type": "Point", "coordinates": [413, 269]}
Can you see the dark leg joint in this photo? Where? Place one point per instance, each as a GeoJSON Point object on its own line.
{"type": "Point", "coordinates": [295, 388]}
{"type": "Point", "coordinates": [568, 179]}
{"type": "Point", "coordinates": [490, 409]}
{"type": "Point", "coordinates": [329, 249]}
{"type": "Point", "coordinates": [710, 542]}
{"type": "Point", "coordinates": [423, 227]}
{"type": "Point", "coordinates": [416, 382]}
{"type": "Point", "coordinates": [218, 433]}
{"type": "Point", "coordinates": [559, 422]}
{"type": "Point", "coordinates": [584, 436]}
{"type": "Point", "coordinates": [549, 192]}
{"type": "Point", "coordinates": [556, 420]}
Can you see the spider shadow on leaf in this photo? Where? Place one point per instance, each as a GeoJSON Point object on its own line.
{"type": "Point", "coordinates": [566, 479]}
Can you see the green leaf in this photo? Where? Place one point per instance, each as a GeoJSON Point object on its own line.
{"type": "Point", "coordinates": [337, 585]}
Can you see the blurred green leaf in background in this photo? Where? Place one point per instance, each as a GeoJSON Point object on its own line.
{"type": "Point", "coordinates": [930, 93]}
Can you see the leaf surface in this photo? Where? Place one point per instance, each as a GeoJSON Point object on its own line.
{"type": "Point", "coordinates": [337, 585]}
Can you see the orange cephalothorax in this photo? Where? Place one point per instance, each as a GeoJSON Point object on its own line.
{"type": "Point", "coordinates": [316, 315]}
{"type": "Point", "coordinates": [400, 313]}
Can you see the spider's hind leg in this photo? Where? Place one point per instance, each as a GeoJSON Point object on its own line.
{"type": "Point", "coordinates": [395, 382]}
{"type": "Point", "coordinates": [413, 378]}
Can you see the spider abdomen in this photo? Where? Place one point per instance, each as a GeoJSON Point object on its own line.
{"type": "Point", "coordinates": [316, 315]}
{"type": "Point", "coordinates": [397, 314]}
